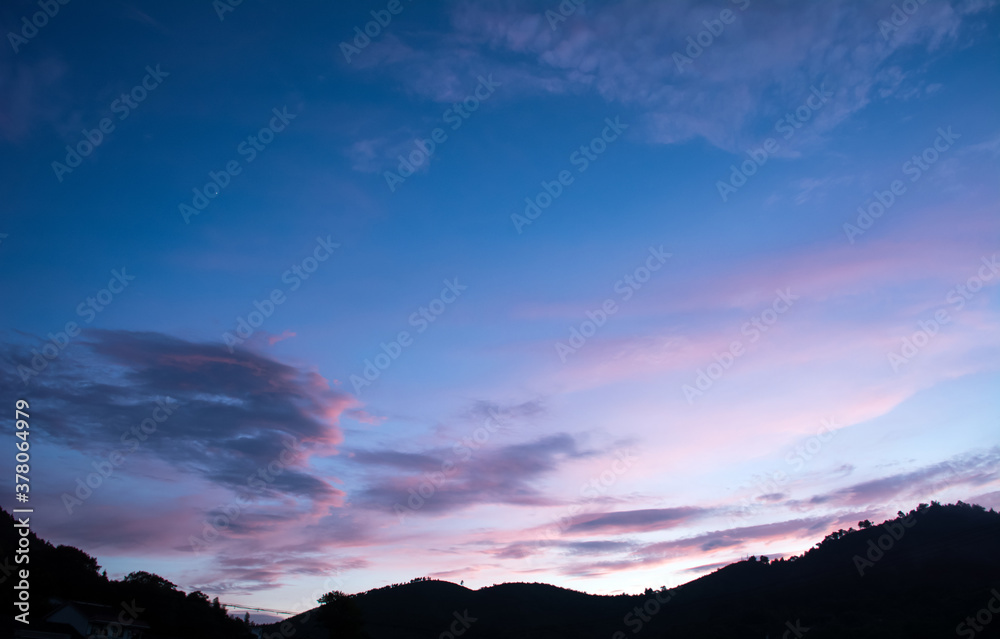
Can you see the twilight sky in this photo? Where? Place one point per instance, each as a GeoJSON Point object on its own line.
{"type": "Point", "coordinates": [599, 295]}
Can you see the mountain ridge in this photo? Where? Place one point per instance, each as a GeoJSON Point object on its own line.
{"type": "Point", "coordinates": [932, 572]}
{"type": "Point", "coordinates": [919, 574]}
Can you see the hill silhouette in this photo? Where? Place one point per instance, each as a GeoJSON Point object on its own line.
{"type": "Point", "coordinates": [932, 572]}
{"type": "Point", "coordinates": [920, 574]}
{"type": "Point", "coordinates": [65, 573]}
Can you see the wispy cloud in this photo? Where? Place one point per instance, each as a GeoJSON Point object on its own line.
{"type": "Point", "coordinates": [635, 520]}
{"type": "Point", "coordinates": [972, 470]}
{"type": "Point", "coordinates": [762, 65]}
{"type": "Point", "coordinates": [503, 475]}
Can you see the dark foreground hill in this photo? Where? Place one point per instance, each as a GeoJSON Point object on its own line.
{"type": "Point", "coordinates": [65, 573]}
{"type": "Point", "coordinates": [922, 574]}
{"type": "Point", "coordinates": [933, 572]}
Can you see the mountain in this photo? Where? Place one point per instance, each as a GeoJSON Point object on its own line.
{"type": "Point", "coordinates": [932, 572]}
{"type": "Point", "coordinates": [921, 574]}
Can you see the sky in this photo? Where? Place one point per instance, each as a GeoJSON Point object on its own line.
{"type": "Point", "coordinates": [320, 296]}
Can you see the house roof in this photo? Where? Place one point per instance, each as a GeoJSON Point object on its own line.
{"type": "Point", "coordinates": [48, 630]}
{"type": "Point", "coordinates": [100, 613]}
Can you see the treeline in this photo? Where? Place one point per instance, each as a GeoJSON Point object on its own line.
{"type": "Point", "coordinates": [390, 586]}
{"type": "Point", "coordinates": [65, 573]}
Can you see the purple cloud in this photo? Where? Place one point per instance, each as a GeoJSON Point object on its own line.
{"type": "Point", "coordinates": [455, 478]}
{"type": "Point", "coordinates": [635, 520]}
{"type": "Point", "coordinates": [971, 469]}
{"type": "Point", "coordinates": [227, 415]}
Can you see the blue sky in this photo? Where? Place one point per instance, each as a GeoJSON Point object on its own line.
{"type": "Point", "coordinates": [600, 396]}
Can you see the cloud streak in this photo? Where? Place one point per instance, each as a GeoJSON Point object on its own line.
{"type": "Point", "coordinates": [623, 53]}
{"type": "Point", "coordinates": [458, 478]}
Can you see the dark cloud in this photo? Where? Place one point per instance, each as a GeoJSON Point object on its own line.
{"type": "Point", "coordinates": [448, 479]}
{"type": "Point", "coordinates": [276, 547]}
{"type": "Point", "coordinates": [224, 416]}
{"type": "Point", "coordinates": [595, 547]}
{"type": "Point", "coordinates": [247, 574]}
{"type": "Point", "coordinates": [522, 549]}
{"type": "Point", "coordinates": [661, 552]}
{"type": "Point", "coordinates": [971, 469]}
{"type": "Point", "coordinates": [412, 462]}
{"type": "Point", "coordinates": [629, 521]}
{"type": "Point", "coordinates": [741, 535]}
{"type": "Point", "coordinates": [635, 520]}
{"type": "Point", "coordinates": [708, 567]}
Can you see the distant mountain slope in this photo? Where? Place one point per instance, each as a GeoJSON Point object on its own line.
{"type": "Point", "coordinates": [918, 575]}
{"type": "Point", "coordinates": [930, 573]}
{"type": "Point", "coordinates": [430, 608]}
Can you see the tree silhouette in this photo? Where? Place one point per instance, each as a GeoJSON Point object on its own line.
{"type": "Point", "coordinates": [147, 580]}
{"type": "Point", "coordinates": [75, 560]}
{"type": "Point", "coordinates": [341, 616]}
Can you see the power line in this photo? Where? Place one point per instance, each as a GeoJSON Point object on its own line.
{"type": "Point", "coordinates": [279, 612]}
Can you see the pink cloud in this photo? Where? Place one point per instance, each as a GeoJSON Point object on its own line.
{"type": "Point", "coordinates": [274, 339]}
